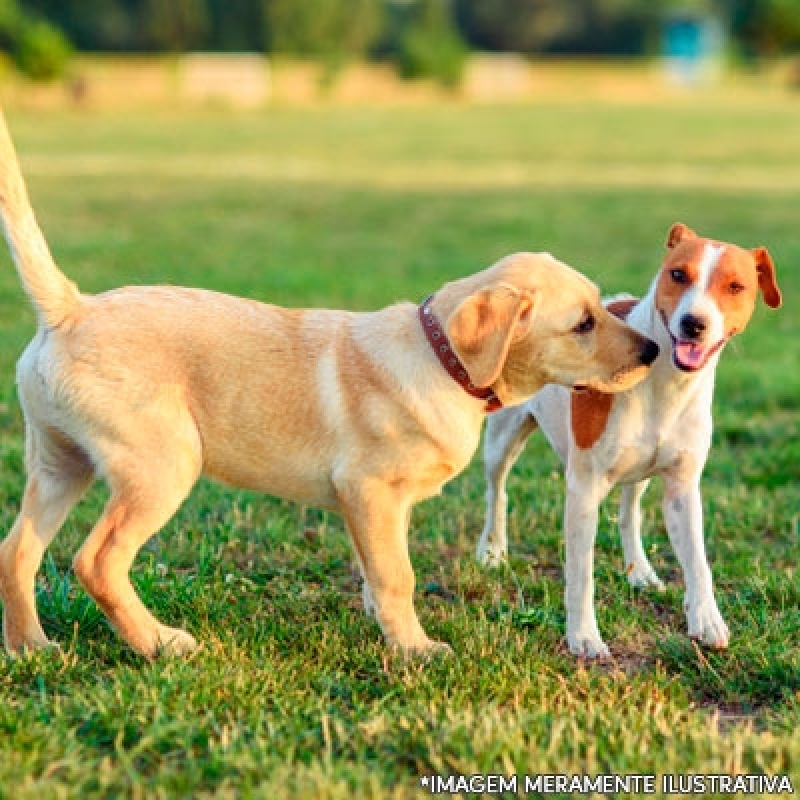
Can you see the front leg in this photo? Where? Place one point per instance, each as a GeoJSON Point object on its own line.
{"type": "Point", "coordinates": [377, 515]}
{"type": "Point", "coordinates": [683, 512]}
{"type": "Point", "coordinates": [580, 528]}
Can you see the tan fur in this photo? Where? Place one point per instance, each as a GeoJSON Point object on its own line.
{"type": "Point", "coordinates": [150, 387]}
{"type": "Point", "coordinates": [53, 295]}
{"type": "Point", "coordinates": [481, 329]}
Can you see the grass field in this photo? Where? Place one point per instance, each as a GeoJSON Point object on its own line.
{"type": "Point", "coordinates": [293, 694]}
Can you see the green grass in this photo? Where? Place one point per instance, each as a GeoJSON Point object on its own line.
{"type": "Point", "coordinates": [293, 693]}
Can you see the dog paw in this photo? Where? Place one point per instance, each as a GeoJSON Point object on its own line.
{"type": "Point", "coordinates": [491, 554]}
{"type": "Point", "coordinates": [641, 576]}
{"type": "Point", "coordinates": [175, 642]}
{"type": "Point", "coordinates": [588, 645]}
{"type": "Point", "coordinates": [422, 649]}
{"type": "Point", "coordinates": [706, 624]}
{"type": "Point", "coordinates": [28, 647]}
{"type": "Point", "coordinates": [434, 648]}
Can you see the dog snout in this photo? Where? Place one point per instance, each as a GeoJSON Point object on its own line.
{"type": "Point", "coordinates": [692, 326]}
{"type": "Point", "coordinates": [649, 353]}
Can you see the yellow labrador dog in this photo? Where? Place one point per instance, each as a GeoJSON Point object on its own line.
{"type": "Point", "coordinates": [362, 413]}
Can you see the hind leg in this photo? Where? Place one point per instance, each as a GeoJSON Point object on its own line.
{"type": "Point", "coordinates": [506, 434]}
{"type": "Point", "coordinates": [638, 569]}
{"type": "Point", "coordinates": [58, 475]}
{"type": "Point", "coordinates": [147, 487]}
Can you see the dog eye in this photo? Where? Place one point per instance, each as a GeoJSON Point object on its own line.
{"type": "Point", "coordinates": [679, 276]}
{"type": "Point", "coordinates": [586, 325]}
{"type": "Point", "coordinates": [736, 287]}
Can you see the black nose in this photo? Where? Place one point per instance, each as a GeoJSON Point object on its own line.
{"type": "Point", "coordinates": [649, 353]}
{"type": "Point", "coordinates": [692, 326]}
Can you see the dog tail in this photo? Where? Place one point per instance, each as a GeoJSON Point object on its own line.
{"type": "Point", "coordinates": [53, 295]}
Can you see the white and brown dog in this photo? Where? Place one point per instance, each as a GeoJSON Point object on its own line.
{"type": "Point", "coordinates": [150, 387]}
{"type": "Point", "coordinates": [704, 294]}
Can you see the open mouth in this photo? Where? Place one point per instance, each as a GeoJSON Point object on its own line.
{"type": "Point", "coordinates": [693, 356]}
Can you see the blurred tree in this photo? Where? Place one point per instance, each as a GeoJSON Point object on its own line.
{"type": "Point", "coordinates": [236, 25]}
{"type": "Point", "coordinates": [41, 51]}
{"type": "Point", "coordinates": [327, 28]}
{"type": "Point", "coordinates": [425, 42]}
{"type": "Point", "coordinates": [542, 26]}
{"type": "Point", "coordinates": [766, 27]}
{"type": "Point", "coordinates": [174, 25]}
{"type": "Point", "coordinates": [105, 25]}
{"type": "Point", "coordinates": [9, 17]}
{"type": "Point", "coordinates": [523, 26]}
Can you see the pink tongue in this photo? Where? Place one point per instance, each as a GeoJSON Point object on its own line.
{"type": "Point", "coordinates": [690, 354]}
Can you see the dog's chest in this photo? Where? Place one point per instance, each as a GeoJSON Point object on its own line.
{"type": "Point", "coordinates": [650, 434]}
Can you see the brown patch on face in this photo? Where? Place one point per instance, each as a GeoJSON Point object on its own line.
{"type": "Point", "coordinates": [734, 287]}
{"type": "Point", "coordinates": [589, 414]}
{"type": "Point", "coordinates": [683, 259]}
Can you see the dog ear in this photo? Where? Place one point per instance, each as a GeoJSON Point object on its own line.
{"type": "Point", "coordinates": [483, 326]}
{"type": "Point", "coordinates": [677, 233]}
{"type": "Point", "coordinates": [766, 277]}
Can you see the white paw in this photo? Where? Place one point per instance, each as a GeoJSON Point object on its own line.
{"type": "Point", "coordinates": [175, 642]}
{"type": "Point", "coordinates": [641, 575]}
{"type": "Point", "coordinates": [587, 644]}
{"type": "Point", "coordinates": [491, 553]}
{"type": "Point", "coordinates": [706, 624]}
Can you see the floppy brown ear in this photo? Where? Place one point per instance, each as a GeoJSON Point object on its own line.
{"type": "Point", "coordinates": [483, 326]}
{"type": "Point", "coordinates": [766, 277]}
{"type": "Point", "coordinates": [677, 233]}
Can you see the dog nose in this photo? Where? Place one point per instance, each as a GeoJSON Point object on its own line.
{"type": "Point", "coordinates": [692, 326]}
{"type": "Point", "coordinates": [649, 353]}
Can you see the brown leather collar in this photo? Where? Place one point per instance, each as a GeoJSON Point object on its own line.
{"type": "Point", "coordinates": [437, 338]}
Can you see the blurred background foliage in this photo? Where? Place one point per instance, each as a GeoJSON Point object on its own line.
{"type": "Point", "coordinates": [422, 37]}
